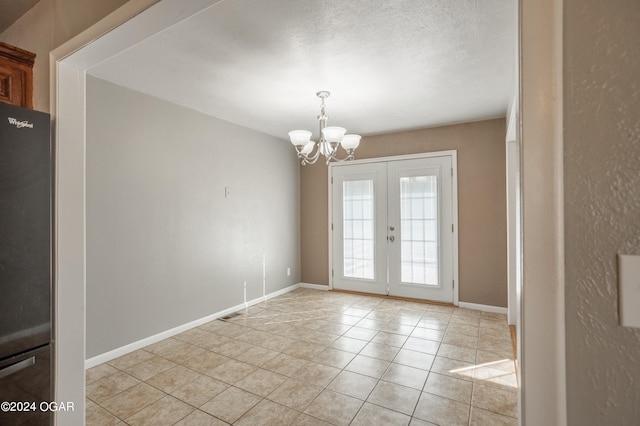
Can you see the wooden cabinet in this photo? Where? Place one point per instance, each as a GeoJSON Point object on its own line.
{"type": "Point", "coordinates": [16, 76]}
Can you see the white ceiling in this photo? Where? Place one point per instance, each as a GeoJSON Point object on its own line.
{"type": "Point", "coordinates": [389, 65]}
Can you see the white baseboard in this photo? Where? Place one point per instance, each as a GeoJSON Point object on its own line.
{"type": "Point", "coordinates": [315, 286]}
{"type": "Point", "coordinates": [484, 308]}
{"type": "Point", "coordinates": [123, 350]}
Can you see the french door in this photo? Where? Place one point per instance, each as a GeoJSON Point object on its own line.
{"type": "Point", "coordinates": [392, 227]}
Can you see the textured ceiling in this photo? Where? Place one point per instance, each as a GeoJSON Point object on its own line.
{"type": "Point", "coordinates": [11, 10]}
{"type": "Point", "coordinates": [389, 65]}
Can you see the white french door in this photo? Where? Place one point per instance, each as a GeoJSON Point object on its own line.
{"type": "Point", "coordinates": [393, 227]}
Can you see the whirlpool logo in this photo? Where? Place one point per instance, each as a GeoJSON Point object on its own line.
{"type": "Point", "coordinates": [20, 124]}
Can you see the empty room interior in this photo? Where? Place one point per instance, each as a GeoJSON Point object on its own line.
{"type": "Point", "coordinates": [311, 213]}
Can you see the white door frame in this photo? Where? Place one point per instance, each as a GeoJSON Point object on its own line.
{"type": "Point", "coordinates": [454, 192]}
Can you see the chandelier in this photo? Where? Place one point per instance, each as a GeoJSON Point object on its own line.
{"type": "Point", "coordinates": [330, 139]}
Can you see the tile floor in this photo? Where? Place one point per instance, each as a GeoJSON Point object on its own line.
{"type": "Point", "coordinates": [313, 357]}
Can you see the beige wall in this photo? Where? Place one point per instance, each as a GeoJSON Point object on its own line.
{"type": "Point", "coordinates": [481, 204]}
{"type": "Point", "coordinates": [602, 206]}
{"type": "Point", "coordinates": [48, 25]}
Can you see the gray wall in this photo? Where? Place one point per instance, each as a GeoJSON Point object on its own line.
{"type": "Point", "coordinates": [164, 245]}
{"type": "Point", "coordinates": [602, 206]}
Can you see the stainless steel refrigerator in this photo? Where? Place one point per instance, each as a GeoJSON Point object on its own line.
{"type": "Point", "coordinates": [25, 266]}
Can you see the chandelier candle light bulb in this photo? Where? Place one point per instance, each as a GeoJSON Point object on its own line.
{"type": "Point", "coordinates": [330, 138]}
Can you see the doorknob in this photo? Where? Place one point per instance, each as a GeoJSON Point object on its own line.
{"type": "Point", "coordinates": [391, 228]}
{"type": "Point", "coordinates": [392, 238]}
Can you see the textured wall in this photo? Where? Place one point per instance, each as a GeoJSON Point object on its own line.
{"type": "Point", "coordinates": [164, 244]}
{"type": "Point", "coordinates": [481, 204]}
{"type": "Point", "coordinates": [602, 206]}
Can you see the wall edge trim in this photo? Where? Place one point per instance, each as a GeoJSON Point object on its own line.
{"type": "Point", "coordinates": [123, 350]}
{"type": "Point", "coordinates": [483, 308]}
{"type": "Point", "coordinates": [315, 286]}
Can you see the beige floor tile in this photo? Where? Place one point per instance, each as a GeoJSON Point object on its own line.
{"type": "Point", "coordinates": [421, 345]}
{"type": "Point", "coordinates": [496, 377]}
{"type": "Point", "coordinates": [132, 400]}
{"type": "Point", "coordinates": [317, 374]}
{"type": "Point", "coordinates": [390, 339]}
{"type": "Point", "coordinates": [198, 337]}
{"type": "Point", "coordinates": [232, 348]}
{"type": "Point", "coordinates": [100, 372]}
{"type": "Point", "coordinates": [457, 339]}
{"type": "Point", "coordinates": [361, 333]}
{"type": "Point", "coordinates": [165, 412]}
{"type": "Point", "coordinates": [231, 404]}
{"type": "Point", "coordinates": [173, 379]}
{"type": "Point", "coordinates": [380, 351]}
{"type": "Point", "coordinates": [495, 399]}
{"type": "Point", "coordinates": [200, 390]}
{"type": "Point", "coordinates": [396, 328]}
{"type": "Point", "coordinates": [349, 344]}
{"type": "Point", "coordinates": [441, 411]}
{"type": "Point", "coordinates": [295, 394]}
{"type": "Point", "coordinates": [394, 397]}
{"type": "Point", "coordinates": [459, 353]}
{"type": "Point", "coordinates": [304, 350]}
{"type": "Point", "coordinates": [261, 382]}
{"type": "Point", "coordinates": [504, 348]}
{"type": "Point", "coordinates": [109, 386]}
{"type": "Point", "coordinates": [305, 420]}
{"type": "Point", "coordinates": [414, 359]}
{"type": "Point", "coordinates": [285, 364]}
{"type": "Point", "coordinates": [428, 334]}
{"type": "Point", "coordinates": [371, 414]}
{"type": "Point", "coordinates": [98, 416]}
{"type": "Point", "coordinates": [449, 387]}
{"type": "Point", "coordinates": [417, 422]}
{"type": "Point", "coordinates": [150, 367]}
{"type": "Point", "coordinates": [454, 368]}
{"type": "Point", "coordinates": [257, 356]}
{"type": "Point", "coordinates": [268, 413]}
{"type": "Point", "coordinates": [368, 366]}
{"type": "Point", "coordinates": [277, 343]}
{"type": "Point", "coordinates": [232, 371]}
{"type": "Point", "coordinates": [493, 360]}
{"type": "Point", "coordinates": [480, 417]}
{"type": "Point", "coordinates": [463, 312]}
{"type": "Point", "coordinates": [406, 376]}
{"type": "Point", "coordinates": [334, 407]}
{"type": "Point", "coordinates": [175, 350]}
{"type": "Point", "coordinates": [334, 358]}
{"type": "Point", "coordinates": [406, 318]}
{"type": "Point", "coordinates": [353, 384]}
{"type": "Point", "coordinates": [130, 359]}
{"type": "Point", "coordinates": [273, 361]}
{"type": "Point", "coordinates": [433, 324]}
{"type": "Point", "coordinates": [199, 418]}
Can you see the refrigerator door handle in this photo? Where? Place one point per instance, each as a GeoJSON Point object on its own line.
{"type": "Point", "coordinates": [14, 368]}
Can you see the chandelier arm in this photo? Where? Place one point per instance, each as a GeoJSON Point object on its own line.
{"type": "Point", "coordinates": [350, 156]}
{"type": "Point", "coordinates": [306, 159]}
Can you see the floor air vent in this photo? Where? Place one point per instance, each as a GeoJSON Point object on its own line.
{"type": "Point", "coordinates": [228, 317]}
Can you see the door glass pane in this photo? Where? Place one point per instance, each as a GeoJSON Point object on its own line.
{"type": "Point", "coordinates": [419, 229]}
{"type": "Point", "coordinates": [358, 243]}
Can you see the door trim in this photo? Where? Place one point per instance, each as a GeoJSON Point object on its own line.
{"type": "Point", "coordinates": [454, 205]}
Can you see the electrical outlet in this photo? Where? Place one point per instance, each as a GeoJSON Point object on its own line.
{"type": "Point", "coordinates": [227, 192]}
{"type": "Point", "coordinates": [288, 272]}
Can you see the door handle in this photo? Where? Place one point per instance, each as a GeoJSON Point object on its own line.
{"type": "Point", "coordinates": [14, 368]}
{"type": "Point", "coordinates": [392, 238]}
